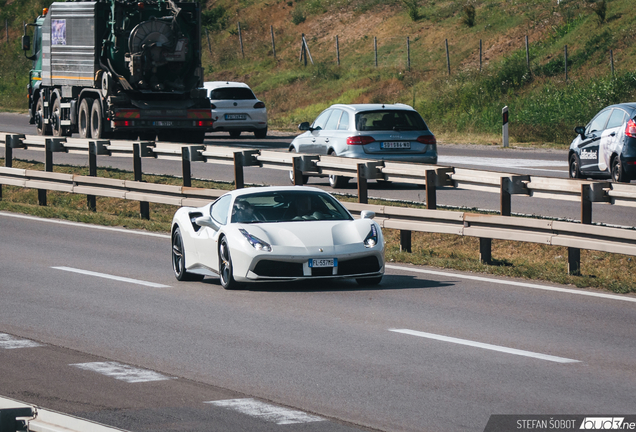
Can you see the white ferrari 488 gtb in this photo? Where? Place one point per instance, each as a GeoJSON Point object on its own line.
{"type": "Point", "coordinates": [265, 234]}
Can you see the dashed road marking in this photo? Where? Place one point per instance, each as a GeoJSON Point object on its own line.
{"type": "Point", "coordinates": [11, 342]}
{"type": "Point", "coordinates": [267, 412]}
{"type": "Point", "coordinates": [486, 346]}
{"type": "Point", "coordinates": [123, 372]}
{"type": "Point", "coordinates": [112, 277]}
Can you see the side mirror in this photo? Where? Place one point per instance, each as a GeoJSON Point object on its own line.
{"type": "Point", "coordinates": [367, 214]}
{"type": "Point", "coordinates": [304, 126]}
{"type": "Point", "coordinates": [206, 221]}
{"type": "Point", "coordinates": [26, 43]}
{"type": "Point", "coordinates": [580, 130]}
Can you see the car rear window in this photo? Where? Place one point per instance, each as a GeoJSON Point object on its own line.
{"type": "Point", "coordinates": [232, 93]}
{"type": "Point", "coordinates": [385, 120]}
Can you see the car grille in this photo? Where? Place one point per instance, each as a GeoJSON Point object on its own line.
{"type": "Point", "coordinates": [278, 269]}
{"type": "Point", "coordinates": [368, 264]}
{"type": "Point", "coordinates": [322, 271]}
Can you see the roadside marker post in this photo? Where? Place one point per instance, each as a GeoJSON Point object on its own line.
{"type": "Point", "coordinates": [504, 128]}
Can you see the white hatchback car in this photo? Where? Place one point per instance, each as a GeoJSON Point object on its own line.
{"type": "Point", "coordinates": [236, 109]}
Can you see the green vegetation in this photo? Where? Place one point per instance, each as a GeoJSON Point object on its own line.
{"type": "Point", "coordinates": [512, 259]}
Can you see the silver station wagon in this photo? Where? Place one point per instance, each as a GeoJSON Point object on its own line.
{"type": "Point", "coordinates": [393, 132]}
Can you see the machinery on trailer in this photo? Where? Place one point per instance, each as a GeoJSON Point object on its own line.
{"type": "Point", "coordinates": [118, 69]}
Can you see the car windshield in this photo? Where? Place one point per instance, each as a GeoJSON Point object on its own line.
{"type": "Point", "coordinates": [232, 93]}
{"type": "Point", "coordinates": [287, 206]}
{"type": "Point", "coordinates": [388, 120]}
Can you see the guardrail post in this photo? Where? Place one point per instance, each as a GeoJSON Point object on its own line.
{"type": "Point", "coordinates": [297, 172]}
{"type": "Point", "coordinates": [186, 167]}
{"type": "Point", "coordinates": [363, 190]}
{"type": "Point", "coordinates": [485, 250]}
{"type": "Point", "coordinates": [505, 197]}
{"type": "Point", "coordinates": [91, 201]}
{"type": "Point", "coordinates": [431, 190]}
{"type": "Point", "coordinates": [504, 128]}
{"type": "Point", "coordinates": [50, 146]}
{"type": "Point", "coordinates": [405, 241]}
{"type": "Point", "coordinates": [144, 207]}
{"type": "Point", "coordinates": [574, 254]}
{"type": "Point", "coordinates": [239, 180]}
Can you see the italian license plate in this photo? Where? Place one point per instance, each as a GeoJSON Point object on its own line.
{"type": "Point", "coordinates": [162, 123]}
{"type": "Point", "coordinates": [235, 117]}
{"type": "Point", "coordinates": [323, 262]}
{"type": "Point", "coordinates": [395, 145]}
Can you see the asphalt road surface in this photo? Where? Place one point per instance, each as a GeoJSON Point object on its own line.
{"type": "Point", "coordinates": [93, 323]}
{"type": "Point", "coordinates": [548, 163]}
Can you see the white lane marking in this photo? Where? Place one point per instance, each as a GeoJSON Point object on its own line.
{"type": "Point", "coordinates": [123, 372]}
{"type": "Point", "coordinates": [267, 412]}
{"type": "Point", "coordinates": [486, 346]}
{"type": "Point", "coordinates": [500, 162]}
{"type": "Point", "coordinates": [11, 342]}
{"type": "Point", "coordinates": [85, 225]}
{"type": "Point", "coordinates": [514, 283]}
{"type": "Point", "coordinates": [107, 276]}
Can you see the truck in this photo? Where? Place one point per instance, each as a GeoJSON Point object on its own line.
{"type": "Point", "coordinates": [118, 69]}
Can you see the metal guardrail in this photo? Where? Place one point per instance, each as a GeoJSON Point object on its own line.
{"type": "Point", "coordinates": [486, 227]}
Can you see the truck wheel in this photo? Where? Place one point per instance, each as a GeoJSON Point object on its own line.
{"type": "Point", "coordinates": [97, 131]}
{"type": "Point", "coordinates": [56, 119]}
{"type": "Point", "coordinates": [84, 118]}
{"type": "Point", "coordinates": [43, 129]}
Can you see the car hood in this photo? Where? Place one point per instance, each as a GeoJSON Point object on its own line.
{"type": "Point", "coordinates": [310, 233]}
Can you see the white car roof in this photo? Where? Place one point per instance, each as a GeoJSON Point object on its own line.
{"type": "Point", "coordinates": [374, 107]}
{"type": "Point", "coordinates": [259, 189]}
{"type": "Point", "coordinates": [210, 85]}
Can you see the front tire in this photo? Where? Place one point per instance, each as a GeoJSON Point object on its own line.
{"type": "Point", "coordinates": [178, 259]}
{"type": "Point", "coordinates": [336, 181]}
{"type": "Point", "coordinates": [575, 167]}
{"type": "Point", "coordinates": [226, 270]}
{"type": "Point", "coordinates": [43, 129]}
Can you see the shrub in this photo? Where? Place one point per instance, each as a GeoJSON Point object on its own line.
{"type": "Point", "coordinates": [413, 9]}
{"type": "Point", "coordinates": [600, 8]}
{"type": "Point", "coordinates": [298, 15]}
{"type": "Point", "coordinates": [468, 15]}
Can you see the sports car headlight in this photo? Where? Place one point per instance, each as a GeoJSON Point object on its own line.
{"type": "Point", "coordinates": [257, 243]}
{"type": "Point", "coordinates": [372, 237]}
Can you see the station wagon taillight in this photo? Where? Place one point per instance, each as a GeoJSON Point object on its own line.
{"type": "Point", "coordinates": [426, 139]}
{"type": "Point", "coordinates": [630, 129]}
{"type": "Point", "coordinates": [360, 140]}
{"type": "Point", "coordinates": [259, 105]}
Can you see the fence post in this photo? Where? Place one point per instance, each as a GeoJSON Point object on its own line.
{"type": "Point", "coordinates": [504, 128]}
{"type": "Point", "coordinates": [186, 167]}
{"type": "Point", "coordinates": [480, 53]}
{"type": "Point", "coordinates": [431, 190]}
{"type": "Point", "coordinates": [207, 34]}
{"type": "Point", "coordinates": [6, 27]}
{"type": "Point", "coordinates": [363, 194]}
{"type": "Point", "coordinates": [144, 207]}
{"type": "Point", "coordinates": [612, 61]}
{"type": "Point", "coordinates": [271, 29]}
{"type": "Point", "coordinates": [375, 49]}
{"type": "Point", "coordinates": [241, 39]}
{"type": "Point", "coordinates": [408, 53]}
{"type": "Point", "coordinates": [337, 51]}
{"type": "Point", "coordinates": [447, 56]}
{"type": "Point", "coordinates": [566, 62]}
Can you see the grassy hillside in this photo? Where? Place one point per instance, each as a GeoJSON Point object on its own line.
{"type": "Point", "coordinates": [464, 106]}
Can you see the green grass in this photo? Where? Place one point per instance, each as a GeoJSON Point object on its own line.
{"type": "Point", "coordinates": [600, 270]}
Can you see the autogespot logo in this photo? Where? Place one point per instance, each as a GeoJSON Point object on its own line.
{"type": "Point", "coordinates": [606, 423]}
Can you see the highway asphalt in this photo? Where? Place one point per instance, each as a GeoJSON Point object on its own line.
{"type": "Point", "coordinates": [122, 342]}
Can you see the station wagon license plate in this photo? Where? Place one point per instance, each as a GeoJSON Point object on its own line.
{"type": "Point", "coordinates": [395, 145]}
{"type": "Point", "coordinates": [235, 117]}
{"type": "Point", "coordinates": [162, 123]}
{"type": "Point", "coordinates": [323, 262]}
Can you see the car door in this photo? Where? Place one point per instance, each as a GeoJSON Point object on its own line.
{"type": "Point", "coordinates": [206, 239]}
{"type": "Point", "coordinates": [589, 146]}
{"type": "Point", "coordinates": [328, 135]}
{"type": "Point", "coordinates": [611, 138]}
{"type": "Point", "coordinates": [312, 141]}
